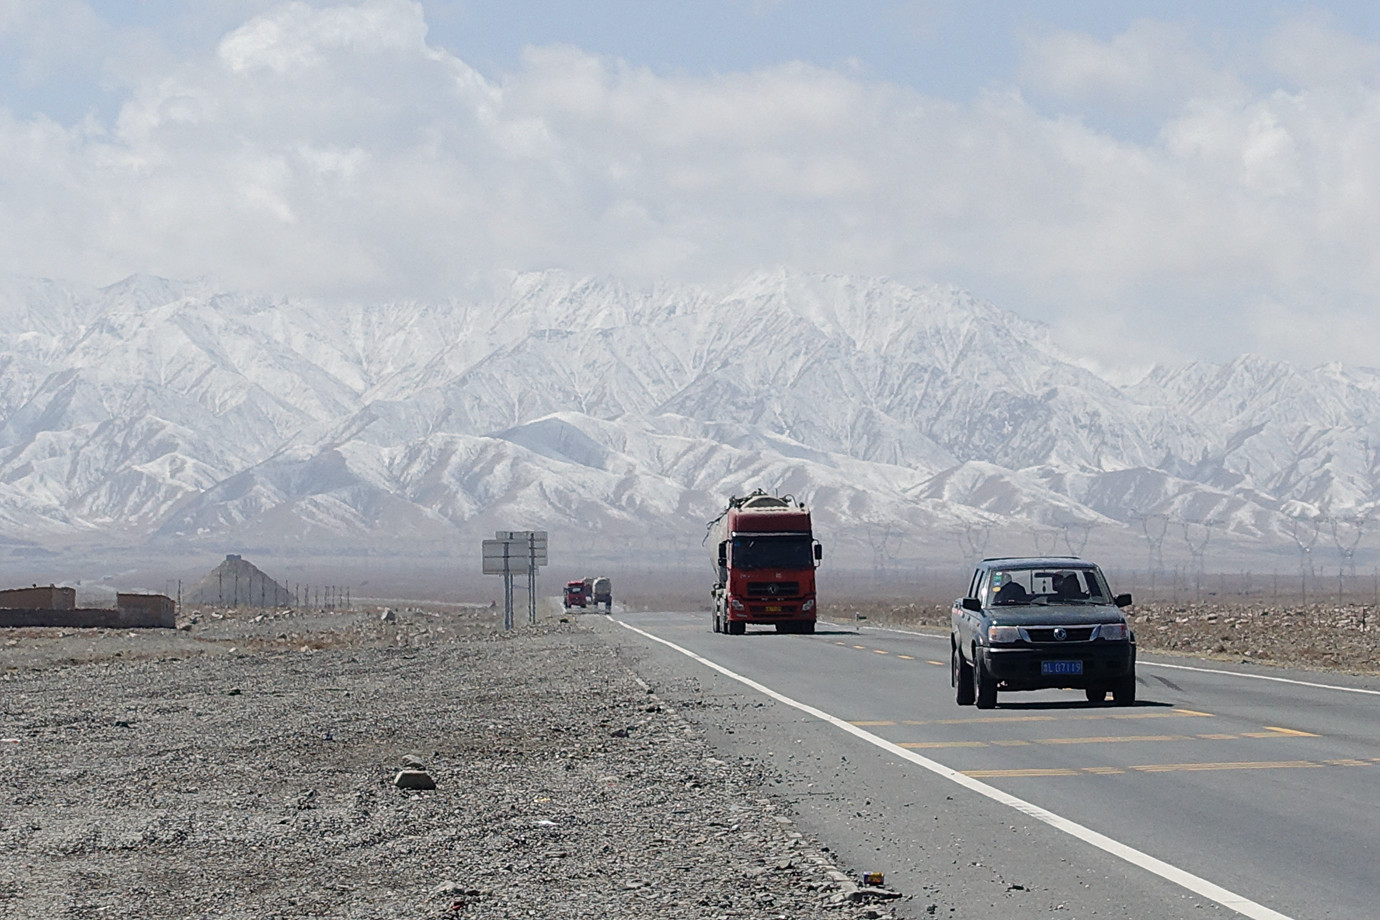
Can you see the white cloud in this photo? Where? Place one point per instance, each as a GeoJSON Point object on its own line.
{"type": "Point", "coordinates": [1151, 63]}
{"type": "Point", "coordinates": [329, 149]}
{"type": "Point", "coordinates": [1311, 53]}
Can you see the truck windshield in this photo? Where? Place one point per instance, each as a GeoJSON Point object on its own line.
{"type": "Point", "coordinates": [773, 551]}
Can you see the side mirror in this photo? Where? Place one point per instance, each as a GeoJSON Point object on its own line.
{"type": "Point", "coordinates": [1122, 600]}
{"type": "Point", "coordinates": [972, 603]}
{"type": "Point", "coordinates": [723, 554]}
{"type": "Point", "coordinates": [819, 552]}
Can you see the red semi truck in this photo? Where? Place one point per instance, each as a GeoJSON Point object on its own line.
{"type": "Point", "coordinates": [764, 555]}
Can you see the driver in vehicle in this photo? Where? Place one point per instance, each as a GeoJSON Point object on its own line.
{"type": "Point", "coordinates": [1011, 592]}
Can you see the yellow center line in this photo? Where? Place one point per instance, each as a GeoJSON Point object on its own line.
{"type": "Point", "coordinates": [1051, 771]}
{"type": "Point", "coordinates": [1292, 732]}
{"type": "Point", "coordinates": [879, 651]}
{"type": "Point", "coordinates": [906, 657]}
{"type": "Point", "coordinates": [938, 664]}
{"type": "Point", "coordinates": [1160, 768]}
{"type": "Point", "coordinates": [1244, 765]}
{"type": "Point", "coordinates": [1073, 717]}
{"type": "Point", "coordinates": [927, 745]}
{"type": "Point", "coordinates": [1112, 739]}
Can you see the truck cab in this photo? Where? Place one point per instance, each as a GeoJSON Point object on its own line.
{"type": "Point", "coordinates": [764, 559]}
{"type": "Point", "coordinates": [575, 595]}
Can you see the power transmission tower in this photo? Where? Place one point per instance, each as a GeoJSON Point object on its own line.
{"type": "Point", "coordinates": [1154, 526]}
{"type": "Point", "coordinates": [973, 540]}
{"type": "Point", "coordinates": [1076, 532]}
{"type": "Point", "coordinates": [1197, 548]}
{"type": "Point", "coordinates": [1305, 533]}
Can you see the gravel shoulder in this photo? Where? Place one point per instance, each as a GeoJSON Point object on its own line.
{"type": "Point", "coordinates": [246, 767]}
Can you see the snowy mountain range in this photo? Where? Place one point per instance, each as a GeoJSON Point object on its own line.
{"type": "Point", "coordinates": [173, 415]}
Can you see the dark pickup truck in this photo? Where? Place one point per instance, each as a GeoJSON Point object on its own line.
{"type": "Point", "coordinates": [1036, 623]}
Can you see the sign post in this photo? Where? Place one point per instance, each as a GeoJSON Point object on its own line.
{"type": "Point", "coordinates": [516, 552]}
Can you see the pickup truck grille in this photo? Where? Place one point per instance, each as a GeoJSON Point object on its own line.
{"type": "Point", "coordinates": [773, 588]}
{"type": "Point", "coordinates": [1046, 633]}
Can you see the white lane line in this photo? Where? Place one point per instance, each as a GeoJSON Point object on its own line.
{"type": "Point", "coordinates": [1195, 884]}
{"type": "Point", "coordinates": [1278, 680]}
{"type": "Point", "coordinates": [1141, 662]}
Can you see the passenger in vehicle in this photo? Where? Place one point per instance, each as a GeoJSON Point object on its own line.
{"type": "Point", "coordinates": [1066, 587]}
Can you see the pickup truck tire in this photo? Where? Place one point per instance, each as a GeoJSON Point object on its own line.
{"type": "Point", "coordinates": [1124, 693]}
{"type": "Point", "coordinates": [1096, 694]}
{"type": "Point", "coordinates": [962, 679]}
{"type": "Point", "coordinates": [986, 686]}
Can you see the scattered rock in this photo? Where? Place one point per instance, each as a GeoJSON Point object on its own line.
{"type": "Point", "coordinates": [414, 779]}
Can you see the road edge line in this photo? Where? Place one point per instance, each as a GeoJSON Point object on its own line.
{"type": "Point", "coordinates": [1182, 878]}
{"type": "Point", "coordinates": [1271, 677]}
{"type": "Point", "coordinates": [1141, 662]}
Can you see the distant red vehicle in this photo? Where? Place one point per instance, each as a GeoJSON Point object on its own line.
{"type": "Point", "coordinates": [575, 595]}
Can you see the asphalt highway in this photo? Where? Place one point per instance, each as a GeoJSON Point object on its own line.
{"type": "Point", "coordinates": [1227, 790]}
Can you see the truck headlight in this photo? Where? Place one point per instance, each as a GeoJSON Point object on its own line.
{"type": "Point", "coordinates": [1114, 632]}
{"type": "Point", "coordinates": [1001, 635]}
{"type": "Point", "coordinates": [736, 604]}
{"type": "Point", "coordinates": [808, 605]}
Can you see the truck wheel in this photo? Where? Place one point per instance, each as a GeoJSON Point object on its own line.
{"type": "Point", "coordinates": [715, 619]}
{"type": "Point", "coordinates": [1124, 693]}
{"type": "Point", "coordinates": [962, 679]}
{"type": "Point", "coordinates": [1096, 694]}
{"type": "Point", "coordinates": [986, 685]}
{"type": "Point", "coordinates": [736, 629]}
{"type": "Point", "coordinates": [807, 627]}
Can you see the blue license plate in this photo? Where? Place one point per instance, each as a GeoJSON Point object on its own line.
{"type": "Point", "coordinates": [1061, 667]}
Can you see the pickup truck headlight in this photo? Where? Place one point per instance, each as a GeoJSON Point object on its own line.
{"type": "Point", "coordinates": [1114, 632]}
{"type": "Point", "coordinates": [1001, 635]}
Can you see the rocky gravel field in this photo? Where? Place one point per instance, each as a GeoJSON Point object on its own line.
{"type": "Point", "coordinates": [277, 765]}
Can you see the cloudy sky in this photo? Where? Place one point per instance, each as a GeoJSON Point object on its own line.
{"type": "Point", "coordinates": [1158, 181]}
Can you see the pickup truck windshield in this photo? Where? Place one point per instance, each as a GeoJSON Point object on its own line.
{"type": "Point", "coordinates": [1047, 586]}
{"type": "Point", "coordinates": [773, 551]}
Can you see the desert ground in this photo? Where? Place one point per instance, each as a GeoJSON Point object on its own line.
{"type": "Point", "coordinates": [247, 764]}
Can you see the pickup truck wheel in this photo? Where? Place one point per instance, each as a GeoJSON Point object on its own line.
{"type": "Point", "coordinates": [986, 685]}
{"type": "Point", "coordinates": [1096, 694]}
{"type": "Point", "coordinates": [962, 679]}
{"type": "Point", "coordinates": [1124, 693]}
